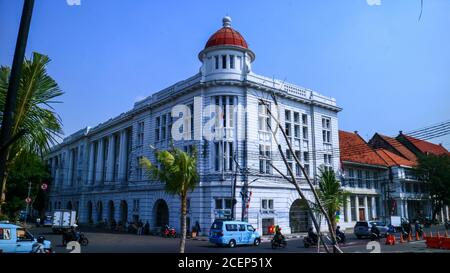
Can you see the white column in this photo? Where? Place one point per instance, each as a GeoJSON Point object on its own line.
{"type": "Point", "coordinates": [56, 178]}
{"type": "Point", "coordinates": [357, 207]}
{"type": "Point", "coordinates": [366, 208]}
{"type": "Point", "coordinates": [446, 209]}
{"type": "Point", "coordinates": [99, 167]}
{"type": "Point", "coordinates": [123, 156]}
{"type": "Point", "coordinates": [374, 207]}
{"type": "Point", "coordinates": [400, 205]}
{"type": "Point", "coordinates": [110, 159]}
{"type": "Point", "coordinates": [406, 209]}
{"type": "Point", "coordinates": [349, 210]}
{"type": "Point", "coordinates": [70, 174]}
{"type": "Point", "coordinates": [91, 169]}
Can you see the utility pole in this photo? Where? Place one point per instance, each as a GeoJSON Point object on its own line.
{"type": "Point", "coordinates": [11, 96]}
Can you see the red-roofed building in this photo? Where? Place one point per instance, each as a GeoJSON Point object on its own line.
{"type": "Point", "coordinates": [361, 171]}
{"type": "Point", "coordinates": [421, 147]}
{"type": "Point", "coordinates": [405, 195]}
{"type": "Point", "coordinates": [393, 145]}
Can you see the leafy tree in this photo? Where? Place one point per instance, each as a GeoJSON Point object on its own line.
{"type": "Point", "coordinates": [34, 114]}
{"type": "Point", "coordinates": [435, 171]}
{"type": "Point", "coordinates": [178, 172]}
{"type": "Point", "coordinates": [26, 168]}
{"type": "Point", "coordinates": [331, 194]}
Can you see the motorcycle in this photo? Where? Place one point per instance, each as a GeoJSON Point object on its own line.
{"type": "Point", "coordinates": [80, 238]}
{"type": "Point", "coordinates": [340, 238]}
{"type": "Point", "coordinates": [375, 236]}
{"type": "Point", "coordinates": [277, 242]}
{"type": "Point", "coordinates": [169, 232]}
{"type": "Point", "coordinates": [308, 241]}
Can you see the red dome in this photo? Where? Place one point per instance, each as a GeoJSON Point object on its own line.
{"type": "Point", "coordinates": [226, 36]}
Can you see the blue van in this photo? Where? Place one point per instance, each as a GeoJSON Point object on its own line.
{"type": "Point", "coordinates": [16, 239]}
{"type": "Point", "coordinates": [232, 233]}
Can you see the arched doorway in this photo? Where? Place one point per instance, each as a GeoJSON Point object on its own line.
{"type": "Point", "coordinates": [299, 219]}
{"type": "Point", "coordinates": [69, 205]}
{"type": "Point", "coordinates": [160, 213]}
{"type": "Point", "coordinates": [110, 211]}
{"type": "Point", "coordinates": [99, 211]}
{"type": "Point", "coordinates": [89, 212]}
{"type": "Point", "coordinates": [123, 211]}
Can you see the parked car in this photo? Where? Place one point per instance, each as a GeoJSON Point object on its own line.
{"type": "Point", "coordinates": [232, 233]}
{"type": "Point", "coordinates": [16, 239]}
{"type": "Point", "coordinates": [362, 228]}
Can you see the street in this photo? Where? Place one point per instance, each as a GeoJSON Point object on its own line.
{"type": "Point", "coordinates": [106, 242]}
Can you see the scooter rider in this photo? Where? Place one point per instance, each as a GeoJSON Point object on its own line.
{"type": "Point", "coordinates": [312, 235]}
{"type": "Point", "coordinates": [340, 234]}
{"type": "Point", "coordinates": [278, 236]}
{"type": "Point", "coordinates": [374, 230]}
{"type": "Point", "coordinates": [38, 247]}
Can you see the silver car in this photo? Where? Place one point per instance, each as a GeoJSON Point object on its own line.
{"type": "Point", "coordinates": [362, 228]}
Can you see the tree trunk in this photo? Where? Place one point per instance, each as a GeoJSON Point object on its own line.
{"type": "Point", "coordinates": [3, 193]}
{"type": "Point", "coordinates": [183, 223]}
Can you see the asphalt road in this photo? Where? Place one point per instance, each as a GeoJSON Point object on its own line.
{"type": "Point", "coordinates": [105, 242]}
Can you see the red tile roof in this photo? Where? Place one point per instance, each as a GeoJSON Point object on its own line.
{"type": "Point", "coordinates": [354, 149]}
{"type": "Point", "coordinates": [425, 146]}
{"type": "Point", "coordinates": [226, 36]}
{"type": "Point", "coordinates": [405, 152]}
{"type": "Point", "coordinates": [393, 159]}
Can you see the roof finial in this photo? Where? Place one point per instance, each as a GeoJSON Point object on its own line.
{"type": "Point", "coordinates": [226, 21]}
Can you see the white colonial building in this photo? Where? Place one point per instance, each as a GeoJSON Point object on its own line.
{"type": "Point", "coordinates": [96, 172]}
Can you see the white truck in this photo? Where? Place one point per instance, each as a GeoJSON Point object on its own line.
{"type": "Point", "coordinates": [63, 220]}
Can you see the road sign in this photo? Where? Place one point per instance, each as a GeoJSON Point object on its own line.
{"type": "Point", "coordinates": [28, 200]}
{"type": "Point", "coordinates": [44, 186]}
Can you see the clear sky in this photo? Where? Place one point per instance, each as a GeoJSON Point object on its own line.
{"type": "Point", "coordinates": [388, 70]}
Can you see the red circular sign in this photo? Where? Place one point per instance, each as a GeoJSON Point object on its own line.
{"type": "Point", "coordinates": [44, 186]}
{"type": "Point", "coordinates": [28, 200]}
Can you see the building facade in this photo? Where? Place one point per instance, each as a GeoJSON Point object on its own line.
{"type": "Point", "coordinates": [363, 176]}
{"type": "Point", "coordinates": [221, 112]}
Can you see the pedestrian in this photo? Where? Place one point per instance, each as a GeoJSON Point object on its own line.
{"type": "Point", "coordinates": [197, 228]}
{"type": "Point", "coordinates": [140, 227]}
{"type": "Point", "coordinates": [147, 228]}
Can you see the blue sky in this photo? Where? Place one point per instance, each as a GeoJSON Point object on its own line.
{"type": "Point", "coordinates": [388, 70]}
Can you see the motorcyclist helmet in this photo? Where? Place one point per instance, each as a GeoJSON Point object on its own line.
{"type": "Point", "coordinates": [41, 239]}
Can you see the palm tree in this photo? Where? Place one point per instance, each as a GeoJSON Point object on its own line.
{"type": "Point", "coordinates": [36, 125]}
{"type": "Point", "coordinates": [178, 172]}
{"type": "Point", "coordinates": [331, 194]}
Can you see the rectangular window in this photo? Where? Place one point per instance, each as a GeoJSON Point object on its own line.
{"type": "Point", "coordinates": [139, 171]}
{"type": "Point", "coordinates": [305, 119]}
{"type": "Point", "coordinates": [351, 177]}
{"type": "Point", "coordinates": [216, 61]}
{"type": "Point", "coordinates": [157, 126]}
{"type": "Point", "coordinates": [163, 127]}
{"type": "Point", "coordinates": [267, 205]}
{"type": "Point", "coordinates": [297, 131]}
{"type": "Point", "coordinates": [263, 117]}
{"type": "Point", "coordinates": [375, 180]}
{"type": "Point", "coordinates": [326, 130]}
{"type": "Point", "coordinates": [140, 134]}
{"type": "Point", "coordinates": [264, 159]}
{"type": "Point", "coordinates": [298, 170]}
{"type": "Point", "coordinates": [360, 179]}
{"type": "Point", "coordinates": [232, 61]}
{"type": "Point", "coordinates": [368, 180]}
{"type": "Point", "coordinates": [224, 61]}
{"type": "Point", "coordinates": [296, 117]}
